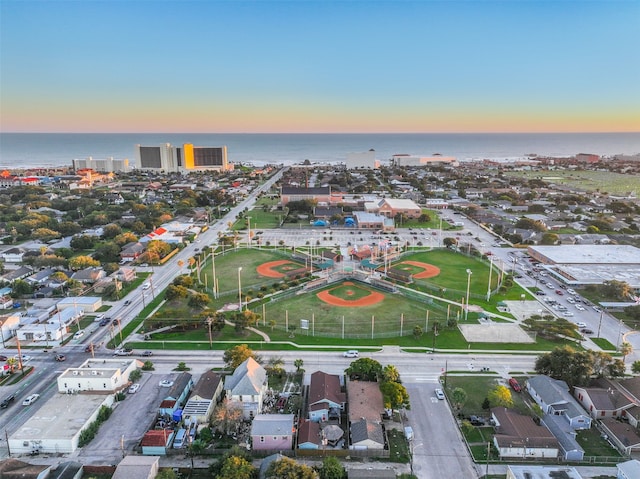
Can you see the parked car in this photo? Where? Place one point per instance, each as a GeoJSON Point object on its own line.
{"type": "Point", "coordinates": [580, 324]}
{"type": "Point", "coordinates": [477, 420]}
{"type": "Point", "coordinates": [515, 385]}
{"type": "Point", "coordinates": [165, 383]}
{"type": "Point", "coordinates": [60, 357]}
{"type": "Point", "coordinates": [6, 402]}
{"type": "Point", "coordinates": [579, 307]}
{"type": "Point", "coordinates": [586, 331]}
{"type": "Point", "coordinates": [123, 352]}
{"type": "Point", "coordinates": [352, 353]}
{"type": "Point", "coordinates": [29, 400]}
{"type": "Point", "coordinates": [147, 353]}
{"type": "Point", "coordinates": [134, 388]}
{"type": "Point", "coordinates": [439, 393]}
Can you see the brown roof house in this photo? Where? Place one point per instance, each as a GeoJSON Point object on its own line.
{"type": "Point", "coordinates": [14, 469]}
{"type": "Point", "coordinates": [326, 399]}
{"type": "Point", "coordinates": [204, 397]}
{"type": "Point", "coordinates": [365, 415]}
{"type": "Point", "coordinates": [519, 436]}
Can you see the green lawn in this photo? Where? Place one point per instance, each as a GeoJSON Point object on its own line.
{"type": "Point", "coordinates": [477, 388]}
{"type": "Point", "coordinates": [593, 444]}
{"type": "Point", "coordinates": [588, 180]}
{"type": "Point", "coordinates": [398, 446]}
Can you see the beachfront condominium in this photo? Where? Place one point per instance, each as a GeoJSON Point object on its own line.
{"type": "Point", "coordinates": [170, 159]}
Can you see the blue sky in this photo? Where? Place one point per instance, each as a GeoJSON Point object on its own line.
{"type": "Point", "coordinates": [307, 66]}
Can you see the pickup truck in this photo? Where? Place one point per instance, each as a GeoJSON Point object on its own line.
{"type": "Point", "coordinates": [123, 352]}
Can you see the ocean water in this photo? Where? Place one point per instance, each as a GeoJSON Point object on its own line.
{"type": "Point", "coordinates": [28, 150]}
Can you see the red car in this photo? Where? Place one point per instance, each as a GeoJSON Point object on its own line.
{"type": "Point", "coordinates": [515, 385]}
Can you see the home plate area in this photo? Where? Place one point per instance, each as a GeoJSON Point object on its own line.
{"type": "Point", "coordinates": [494, 333]}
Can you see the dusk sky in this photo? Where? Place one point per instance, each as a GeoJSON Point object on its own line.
{"type": "Point", "coordinates": [319, 66]}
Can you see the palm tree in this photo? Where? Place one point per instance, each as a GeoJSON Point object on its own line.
{"type": "Point", "coordinates": [298, 363]}
{"type": "Point", "coordinates": [390, 373]}
{"type": "Point", "coordinates": [625, 349]}
{"type": "Point", "coordinates": [272, 323]}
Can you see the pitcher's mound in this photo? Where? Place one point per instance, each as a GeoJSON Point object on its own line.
{"type": "Point", "coordinates": [494, 333]}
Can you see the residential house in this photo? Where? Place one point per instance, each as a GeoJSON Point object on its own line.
{"type": "Point", "coordinates": [365, 406]}
{"type": "Point", "coordinates": [272, 431]}
{"type": "Point", "coordinates": [89, 275]}
{"type": "Point", "coordinates": [204, 397]}
{"type": "Point", "coordinates": [137, 467]}
{"type": "Point", "coordinates": [325, 398]}
{"type": "Point", "coordinates": [15, 274]}
{"type": "Point", "coordinates": [366, 434]}
{"type": "Point", "coordinates": [553, 396]}
{"type": "Point", "coordinates": [246, 387]}
{"type": "Point", "coordinates": [156, 442]}
{"type": "Point", "coordinates": [518, 436]}
{"type": "Point", "coordinates": [605, 399]}
{"type": "Point", "coordinates": [177, 394]}
{"type": "Point", "coordinates": [309, 435]}
{"type": "Point", "coordinates": [628, 469]}
{"type": "Point", "coordinates": [12, 468]}
{"type": "Point", "coordinates": [622, 435]}
{"type": "Point", "coordinates": [13, 255]}
{"type": "Point", "coordinates": [531, 471]}
{"type": "Point", "coordinates": [131, 251]}
{"type": "Point", "coordinates": [40, 277]}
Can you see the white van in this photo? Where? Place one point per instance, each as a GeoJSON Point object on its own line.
{"type": "Point", "coordinates": [180, 439]}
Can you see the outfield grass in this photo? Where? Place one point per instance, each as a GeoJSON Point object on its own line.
{"type": "Point", "coordinates": [588, 180]}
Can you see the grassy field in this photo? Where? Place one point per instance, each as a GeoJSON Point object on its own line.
{"type": "Point", "coordinates": [602, 181]}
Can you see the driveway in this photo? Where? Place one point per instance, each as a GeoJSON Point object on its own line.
{"type": "Point", "coordinates": [438, 448]}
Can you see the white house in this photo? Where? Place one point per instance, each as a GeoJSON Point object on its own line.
{"type": "Point", "coordinates": [98, 375]}
{"type": "Point", "coordinates": [246, 387]}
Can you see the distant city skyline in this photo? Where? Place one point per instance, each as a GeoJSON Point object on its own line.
{"type": "Point", "coordinates": [319, 66]}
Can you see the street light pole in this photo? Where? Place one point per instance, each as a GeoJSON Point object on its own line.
{"type": "Point", "coordinates": [489, 285]}
{"type": "Point", "coordinates": [600, 323]}
{"type": "Point", "coordinates": [239, 290]}
{"type": "Point", "coordinates": [466, 310]}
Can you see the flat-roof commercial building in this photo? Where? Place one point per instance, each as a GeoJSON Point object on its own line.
{"type": "Point", "coordinates": [170, 159]}
{"type": "Point", "coordinates": [590, 264]}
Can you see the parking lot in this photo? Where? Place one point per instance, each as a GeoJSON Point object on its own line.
{"type": "Point", "coordinates": [121, 430]}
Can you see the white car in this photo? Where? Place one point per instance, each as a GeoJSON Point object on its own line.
{"type": "Point", "coordinates": [25, 358]}
{"type": "Point", "coordinates": [579, 307]}
{"type": "Point", "coordinates": [166, 383]}
{"type": "Point", "coordinates": [79, 334]}
{"type": "Point", "coordinates": [568, 314]}
{"type": "Point", "coordinates": [352, 353]}
{"type": "Point", "coordinates": [29, 400]}
{"type": "Point", "coordinates": [134, 388]}
{"type": "Point", "coordinates": [581, 324]}
{"type": "Point", "coordinates": [439, 393]}
{"type": "Point", "coordinates": [146, 285]}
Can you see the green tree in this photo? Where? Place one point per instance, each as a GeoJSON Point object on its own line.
{"type": "Point", "coordinates": [417, 332]}
{"type": "Point", "coordinates": [236, 467]}
{"type": "Point", "coordinates": [298, 363]}
{"type": "Point", "coordinates": [458, 397]}
{"type": "Point", "coordinates": [198, 300]}
{"type": "Point", "coordinates": [625, 349]}
{"type": "Point", "coordinates": [364, 369]}
{"type": "Point", "coordinates": [227, 417]}
{"type": "Point", "coordinates": [332, 469]}
{"type": "Point", "coordinates": [390, 373]}
{"type": "Point", "coordinates": [394, 395]}
{"type": "Point", "coordinates": [166, 474]}
{"type": "Point", "coordinates": [500, 396]}
{"type": "Point", "coordinates": [635, 367]}
{"type": "Point", "coordinates": [135, 375]}
{"type": "Point", "coordinates": [236, 355]}
{"type": "Point", "coordinates": [175, 292]}
{"type": "Point", "coordinates": [82, 261]}
{"type": "Point", "coordinates": [564, 363]}
{"type": "Point", "coordinates": [286, 468]}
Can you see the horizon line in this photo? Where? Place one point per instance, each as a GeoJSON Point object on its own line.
{"type": "Point", "coordinates": [318, 132]}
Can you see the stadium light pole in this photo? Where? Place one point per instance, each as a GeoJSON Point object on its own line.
{"type": "Point", "coordinates": [239, 290]}
{"type": "Point", "coordinates": [489, 285]}
{"type": "Point", "coordinates": [466, 309]}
